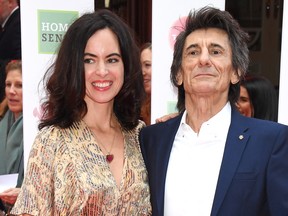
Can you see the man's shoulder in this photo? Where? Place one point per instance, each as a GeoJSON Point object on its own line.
{"type": "Point", "coordinates": [255, 126]}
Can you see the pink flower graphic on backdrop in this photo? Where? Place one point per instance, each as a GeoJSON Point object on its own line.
{"type": "Point", "coordinates": [175, 29]}
{"type": "Point", "coordinates": [38, 112]}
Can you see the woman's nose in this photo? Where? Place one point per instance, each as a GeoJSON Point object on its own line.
{"type": "Point", "coordinates": [12, 89]}
{"type": "Point", "coordinates": [101, 69]}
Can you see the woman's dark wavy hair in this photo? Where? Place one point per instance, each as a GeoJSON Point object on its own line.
{"type": "Point", "coordinates": [263, 97]}
{"type": "Point", "coordinates": [65, 78]}
{"type": "Point", "coordinates": [209, 17]}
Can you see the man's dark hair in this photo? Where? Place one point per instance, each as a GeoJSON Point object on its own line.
{"type": "Point", "coordinates": [209, 17]}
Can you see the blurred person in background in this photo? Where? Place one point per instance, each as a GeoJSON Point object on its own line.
{"type": "Point", "coordinates": [10, 30]}
{"type": "Point", "coordinates": [258, 98]}
{"type": "Point", "coordinates": [11, 131]}
{"type": "Point", "coordinates": [10, 42]}
{"type": "Point", "coordinates": [146, 63]}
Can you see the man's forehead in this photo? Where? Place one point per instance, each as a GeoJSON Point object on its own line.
{"type": "Point", "coordinates": [211, 37]}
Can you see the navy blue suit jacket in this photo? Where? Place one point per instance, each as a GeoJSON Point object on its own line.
{"type": "Point", "coordinates": [10, 46]}
{"type": "Point", "coordinates": [10, 38]}
{"type": "Point", "coordinates": [253, 178]}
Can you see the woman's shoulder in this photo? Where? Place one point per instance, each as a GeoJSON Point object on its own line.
{"type": "Point", "coordinates": [74, 131]}
{"type": "Point", "coordinates": [48, 131]}
{"type": "Point", "coordinates": [141, 124]}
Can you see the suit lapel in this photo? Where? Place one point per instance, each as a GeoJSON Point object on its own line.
{"type": "Point", "coordinates": [163, 151]}
{"type": "Point", "coordinates": [235, 145]}
{"type": "Point", "coordinates": [13, 16]}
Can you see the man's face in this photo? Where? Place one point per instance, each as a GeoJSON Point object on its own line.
{"type": "Point", "coordinates": [207, 64]}
{"type": "Point", "coordinates": [4, 10]}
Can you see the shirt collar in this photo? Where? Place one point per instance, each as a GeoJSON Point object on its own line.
{"type": "Point", "coordinates": [218, 121]}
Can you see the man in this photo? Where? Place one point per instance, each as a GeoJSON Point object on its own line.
{"type": "Point", "coordinates": [211, 160]}
{"type": "Point", "coordinates": [10, 37]}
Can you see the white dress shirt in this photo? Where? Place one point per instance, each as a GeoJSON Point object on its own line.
{"type": "Point", "coordinates": [194, 166]}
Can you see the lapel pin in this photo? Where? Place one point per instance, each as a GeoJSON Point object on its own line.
{"type": "Point", "coordinates": [241, 137]}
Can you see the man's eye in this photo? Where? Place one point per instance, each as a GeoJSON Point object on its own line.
{"type": "Point", "coordinates": [193, 52]}
{"type": "Point", "coordinates": [216, 52]}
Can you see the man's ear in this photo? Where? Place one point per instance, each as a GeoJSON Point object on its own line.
{"type": "Point", "coordinates": [179, 77]}
{"type": "Point", "coordinates": [235, 77]}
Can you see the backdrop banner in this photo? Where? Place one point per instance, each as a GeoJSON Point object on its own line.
{"type": "Point", "coordinates": [43, 25]}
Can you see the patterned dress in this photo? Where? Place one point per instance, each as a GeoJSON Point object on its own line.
{"type": "Point", "coordinates": [68, 174]}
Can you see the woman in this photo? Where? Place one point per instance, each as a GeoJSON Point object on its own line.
{"type": "Point", "coordinates": [146, 62]}
{"type": "Point", "coordinates": [86, 158]}
{"type": "Point", "coordinates": [11, 131]}
{"type": "Point", "coordinates": [258, 98]}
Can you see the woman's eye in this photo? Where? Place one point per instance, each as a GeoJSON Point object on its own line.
{"type": "Point", "coordinates": [112, 60]}
{"type": "Point", "coordinates": [19, 85]}
{"type": "Point", "coordinates": [244, 99]}
{"type": "Point", "coordinates": [88, 61]}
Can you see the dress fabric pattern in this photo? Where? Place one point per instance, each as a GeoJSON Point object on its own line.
{"type": "Point", "coordinates": [68, 174]}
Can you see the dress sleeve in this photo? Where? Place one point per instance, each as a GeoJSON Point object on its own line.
{"type": "Point", "coordinates": [37, 191]}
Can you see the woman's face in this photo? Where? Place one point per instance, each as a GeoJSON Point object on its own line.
{"type": "Point", "coordinates": [13, 91]}
{"type": "Point", "coordinates": [104, 68]}
{"type": "Point", "coordinates": [244, 104]}
{"type": "Point", "coordinates": [146, 62]}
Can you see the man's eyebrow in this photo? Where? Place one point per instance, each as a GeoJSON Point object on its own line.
{"type": "Point", "coordinates": [210, 45]}
{"type": "Point", "coordinates": [216, 45]}
{"type": "Point", "coordinates": [192, 46]}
